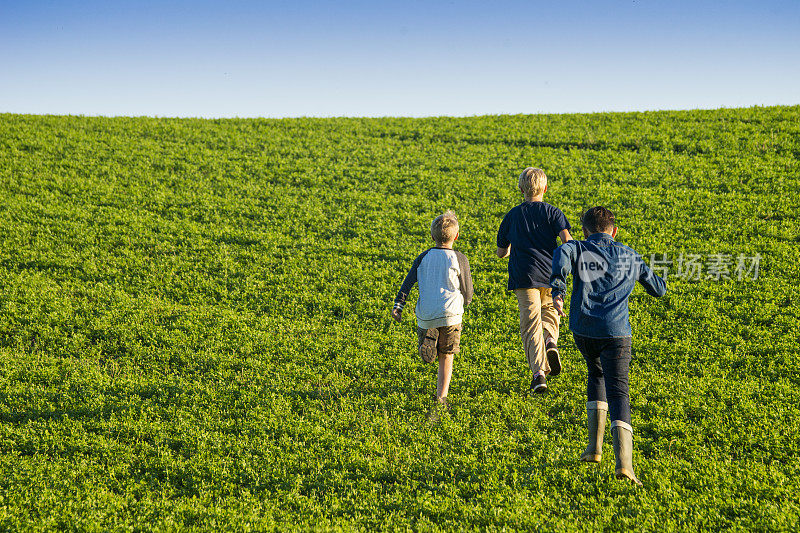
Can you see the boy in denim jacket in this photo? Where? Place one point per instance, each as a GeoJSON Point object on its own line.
{"type": "Point", "coordinates": [605, 273]}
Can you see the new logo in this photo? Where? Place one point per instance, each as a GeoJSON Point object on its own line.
{"type": "Point", "coordinates": [591, 266]}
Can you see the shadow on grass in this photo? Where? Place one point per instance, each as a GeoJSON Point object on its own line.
{"type": "Point", "coordinates": [595, 145]}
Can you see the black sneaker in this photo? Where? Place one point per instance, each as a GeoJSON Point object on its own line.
{"type": "Point", "coordinates": [552, 358]}
{"type": "Point", "coordinates": [539, 384]}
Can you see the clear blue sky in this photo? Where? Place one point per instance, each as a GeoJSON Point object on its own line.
{"type": "Point", "coordinates": [408, 58]}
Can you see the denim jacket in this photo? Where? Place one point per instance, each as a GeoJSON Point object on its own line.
{"type": "Point", "coordinates": [604, 275]}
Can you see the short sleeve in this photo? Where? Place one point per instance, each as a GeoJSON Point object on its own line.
{"type": "Point", "coordinates": [558, 221]}
{"type": "Point", "coordinates": [502, 233]}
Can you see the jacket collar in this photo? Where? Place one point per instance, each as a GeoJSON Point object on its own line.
{"type": "Point", "coordinates": [600, 236]}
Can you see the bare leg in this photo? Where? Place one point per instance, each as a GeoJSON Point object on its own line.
{"type": "Point", "coordinates": [445, 373]}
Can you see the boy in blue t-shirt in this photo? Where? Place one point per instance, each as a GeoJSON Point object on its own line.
{"type": "Point", "coordinates": [528, 234]}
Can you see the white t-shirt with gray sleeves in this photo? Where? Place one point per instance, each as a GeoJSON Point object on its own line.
{"type": "Point", "coordinates": [445, 287]}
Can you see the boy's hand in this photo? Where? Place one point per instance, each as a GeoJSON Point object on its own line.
{"type": "Point", "coordinates": [558, 303]}
{"type": "Point", "coordinates": [397, 314]}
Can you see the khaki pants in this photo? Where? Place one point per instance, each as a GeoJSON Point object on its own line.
{"type": "Point", "coordinates": [538, 321]}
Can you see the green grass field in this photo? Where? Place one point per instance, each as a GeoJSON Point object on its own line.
{"type": "Point", "coordinates": [195, 330]}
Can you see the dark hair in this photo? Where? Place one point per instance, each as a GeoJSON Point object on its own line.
{"type": "Point", "coordinates": [598, 219]}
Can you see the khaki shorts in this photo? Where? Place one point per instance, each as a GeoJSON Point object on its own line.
{"type": "Point", "coordinates": [434, 341]}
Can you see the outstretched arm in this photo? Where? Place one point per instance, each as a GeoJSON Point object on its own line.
{"type": "Point", "coordinates": [503, 244]}
{"type": "Point", "coordinates": [405, 288]}
{"type": "Point", "coordinates": [563, 258]}
{"type": "Point", "coordinates": [465, 278]}
{"type": "Point", "coordinates": [652, 283]}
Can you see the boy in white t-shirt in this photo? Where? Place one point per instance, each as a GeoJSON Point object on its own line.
{"type": "Point", "coordinates": [445, 288]}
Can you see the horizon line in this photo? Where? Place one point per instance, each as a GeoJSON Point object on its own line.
{"type": "Point", "coordinates": [322, 117]}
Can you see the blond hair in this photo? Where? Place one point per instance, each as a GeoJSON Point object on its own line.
{"type": "Point", "coordinates": [532, 181]}
{"type": "Point", "coordinates": [444, 228]}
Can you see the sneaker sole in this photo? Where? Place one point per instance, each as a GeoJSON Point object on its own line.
{"type": "Point", "coordinates": [554, 361]}
{"type": "Point", "coordinates": [539, 389]}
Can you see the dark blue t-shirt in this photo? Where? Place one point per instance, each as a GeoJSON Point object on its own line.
{"type": "Point", "coordinates": [531, 229]}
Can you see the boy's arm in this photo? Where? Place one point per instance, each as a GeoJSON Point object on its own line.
{"type": "Point", "coordinates": [652, 283]}
{"type": "Point", "coordinates": [563, 257]}
{"type": "Point", "coordinates": [405, 288]}
{"type": "Point", "coordinates": [503, 244]}
{"type": "Point", "coordinates": [465, 278]}
{"type": "Point", "coordinates": [560, 225]}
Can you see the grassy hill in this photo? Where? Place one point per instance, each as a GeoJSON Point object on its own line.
{"type": "Point", "coordinates": [195, 330]}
